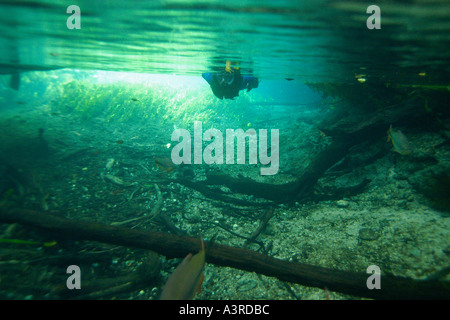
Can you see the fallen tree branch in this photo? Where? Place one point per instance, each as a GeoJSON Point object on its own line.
{"type": "Point", "coordinates": [300, 190]}
{"type": "Point", "coordinates": [260, 243]}
{"type": "Point", "coordinates": [161, 217]}
{"type": "Point", "coordinates": [217, 194]}
{"type": "Point", "coordinates": [157, 207]}
{"type": "Point", "coordinates": [347, 131]}
{"type": "Point", "coordinates": [266, 216]}
{"type": "Point", "coordinates": [174, 246]}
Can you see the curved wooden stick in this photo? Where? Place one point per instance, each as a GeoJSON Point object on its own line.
{"type": "Point", "coordinates": [174, 246]}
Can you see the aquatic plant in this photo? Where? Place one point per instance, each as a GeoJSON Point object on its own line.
{"type": "Point", "coordinates": [28, 242]}
{"type": "Point", "coordinates": [134, 102]}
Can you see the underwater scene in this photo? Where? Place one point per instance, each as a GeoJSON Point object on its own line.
{"type": "Point", "coordinates": [224, 150]}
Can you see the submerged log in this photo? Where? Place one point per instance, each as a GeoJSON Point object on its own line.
{"type": "Point", "coordinates": [174, 246]}
{"type": "Point", "coordinates": [347, 130]}
{"type": "Point", "coordinates": [301, 190]}
{"type": "Point", "coordinates": [217, 194]}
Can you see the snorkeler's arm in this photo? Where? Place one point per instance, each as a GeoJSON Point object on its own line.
{"type": "Point", "coordinates": [208, 77]}
{"type": "Point", "coordinates": [249, 82]}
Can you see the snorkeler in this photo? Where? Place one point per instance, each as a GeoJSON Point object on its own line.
{"type": "Point", "coordinates": [228, 83]}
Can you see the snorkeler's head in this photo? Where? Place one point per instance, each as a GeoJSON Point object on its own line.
{"type": "Point", "coordinates": [225, 78]}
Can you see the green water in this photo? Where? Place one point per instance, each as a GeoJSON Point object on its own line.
{"type": "Point", "coordinates": [356, 122]}
{"type": "Point", "coordinates": [311, 41]}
